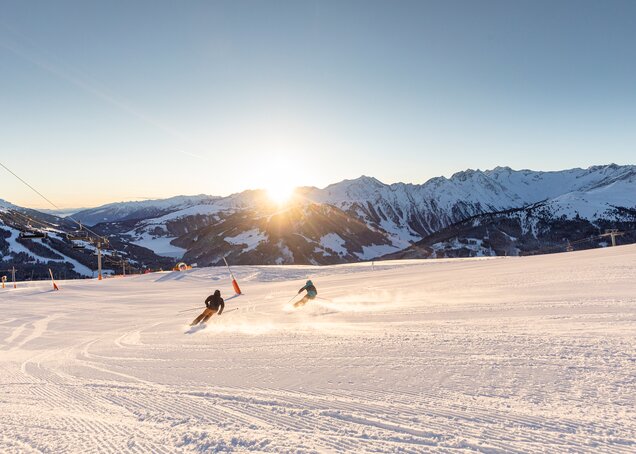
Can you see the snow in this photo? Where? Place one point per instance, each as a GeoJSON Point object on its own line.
{"type": "Point", "coordinates": [530, 354]}
{"type": "Point", "coordinates": [197, 210]}
{"type": "Point", "coordinates": [164, 210]}
{"type": "Point", "coordinates": [77, 266]}
{"type": "Point", "coordinates": [285, 254]}
{"type": "Point", "coordinates": [4, 205]}
{"type": "Point", "coordinates": [16, 247]}
{"type": "Point", "coordinates": [401, 236]}
{"type": "Point", "coordinates": [123, 210]}
{"type": "Point", "coordinates": [376, 250]}
{"type": "Point", "coordinates": [595, 203]}
{"type": "Point", "coordinates": [475, 245]}
{"type": "Point", "coordinates": [160, 245]}
{"type": "Point", "coordinates": [442, 201]}
{"type": "Point", "coordinates": [334, 242]}
{"type": "Point", "coordinates": [401, 210]}
{"type": "Point", "coordinates": [250, 238]}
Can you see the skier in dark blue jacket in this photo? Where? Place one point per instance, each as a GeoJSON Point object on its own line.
{"type": "Point", "coordinates": [311, 294]}
{"type": "Point", "coordinates": [214, 304]}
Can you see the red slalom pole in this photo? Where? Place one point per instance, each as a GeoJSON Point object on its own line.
{"type": "Point", "coordinates": [237, 289]}
{"type": "Point", "coordinates": [53, 280]}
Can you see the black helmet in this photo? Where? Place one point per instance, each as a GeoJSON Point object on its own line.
{"type": "Point", "coordinates": [217, 292]}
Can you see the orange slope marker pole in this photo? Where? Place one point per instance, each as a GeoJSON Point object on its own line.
{"type": "Point", "coordinates": [53, 280]}
{"type": "Point", "coordinates": [237, 289]}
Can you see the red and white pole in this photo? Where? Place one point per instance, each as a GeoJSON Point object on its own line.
{"type": "Point", "coordinates": [237, 289]}
{"type": "Point", "coordinates": [53, 280]}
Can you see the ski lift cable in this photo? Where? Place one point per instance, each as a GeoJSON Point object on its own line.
{"type": "Point", "coordinates": [17, 219]}
{"type": "Point", "coordinates": [13, 214]}
{"type": "Point", "coordinates": [573, 243]}
{"type": "Point", "coordinates": [49, 201]}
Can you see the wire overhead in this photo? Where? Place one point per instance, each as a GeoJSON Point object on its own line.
{"type": "Point", "coordinates": [100, 237]}
{"type": "Point", "coordinates": [32, 188]}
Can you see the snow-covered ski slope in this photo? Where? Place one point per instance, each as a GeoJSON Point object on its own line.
{"type": "Point", "coordinates": [532, 354]}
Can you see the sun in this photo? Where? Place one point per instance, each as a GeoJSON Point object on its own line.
{"type": "Point", "coordinates": [277, 175]}
{"type": "Point", "coordinates": [280, 192]}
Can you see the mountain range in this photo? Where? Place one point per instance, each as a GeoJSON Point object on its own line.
{"type": "Point", "coordinates": [472, 213]}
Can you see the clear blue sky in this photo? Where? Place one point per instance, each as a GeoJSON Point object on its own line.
{"type": "Point", "coordinates": [103, 101]}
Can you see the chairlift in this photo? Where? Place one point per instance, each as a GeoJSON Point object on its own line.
{"type": "Point", "coordinates": [79, 235]}
{"type": "Point", "coordinates": [31, 234]}
{"type": "Point", "coordinates": [75, 245]}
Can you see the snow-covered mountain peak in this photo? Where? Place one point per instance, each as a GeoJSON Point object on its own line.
{"type": "Point", "coordinates": [465, 174]}
{"type": "Point", "coordinates": [170, 202]}
{"type": "Point", "coordinates": [362, 188]}
{"type": "Point", "coordinates": [121, 211]}
{"type": "Point", "coordinates": [6, 205]}
{"type": "Point", "coordinates": [366, 180]}
{"type": "Point", "coordinates": [504, 169]}
{"type": "Point", "coordinates": [363, 182]}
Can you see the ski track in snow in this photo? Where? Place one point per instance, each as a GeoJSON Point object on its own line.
{"type": "Point", "coordinates": [468, 355]}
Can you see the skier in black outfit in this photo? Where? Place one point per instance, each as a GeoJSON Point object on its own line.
{"type": "Point", "coordinates": [311, 294]}
{"type": "Point", "coordinates": [214, 303]}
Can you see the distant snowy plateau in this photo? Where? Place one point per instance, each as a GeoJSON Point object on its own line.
{"type": "Point", "coordinates": [471, 214]}
{"type": "Point", "coordinates": [490, 355]}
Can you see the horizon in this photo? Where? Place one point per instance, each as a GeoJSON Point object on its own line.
{"type": "Point", "coordinates": [71, 210]}
{"type": "Point", "coordinates": [217, 98]}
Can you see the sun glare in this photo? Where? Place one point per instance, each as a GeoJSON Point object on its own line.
{"type": "Point", "coordinates": [278, 175]}
{"type": "Point", "coordinates": [280, 192]}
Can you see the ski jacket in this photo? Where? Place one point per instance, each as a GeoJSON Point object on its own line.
{"type": "Point", "coordinates": [215, 302]}
{"type": "Point", "coordinates": [311, 290]}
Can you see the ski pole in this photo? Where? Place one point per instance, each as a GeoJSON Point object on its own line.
{"type": "Point", "coordinates": [293, 298]}
{"type": "Point", "coordinates": [188, 310]}
{"type": "Point", "coordinates": [235, 309]}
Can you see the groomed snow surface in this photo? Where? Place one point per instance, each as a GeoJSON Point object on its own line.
{"type": "Point", "coordinates": [534, 354]}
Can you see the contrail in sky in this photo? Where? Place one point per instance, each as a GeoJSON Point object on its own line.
{"type": "Point", "coordinates": [38, 58]}
{"type": "Point", "coordinates": [187, 153]}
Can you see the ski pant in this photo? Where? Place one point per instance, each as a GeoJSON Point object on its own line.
{"type": "Point", "coordinates": [204, 317]}
{"type": "Point", "coordinates": [303, 301]}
